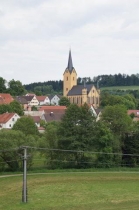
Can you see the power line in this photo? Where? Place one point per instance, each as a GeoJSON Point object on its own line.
{"type": "Point", "coordinates": [72, 151]}
{"type": "Point", "coordinates": [83, 151]}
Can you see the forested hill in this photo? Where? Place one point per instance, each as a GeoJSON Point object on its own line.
{"type": "Point", "coordinates": [101, 80]}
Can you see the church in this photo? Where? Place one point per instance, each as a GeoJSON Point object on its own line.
{"type": "Point", "coordinates": [78, 94]}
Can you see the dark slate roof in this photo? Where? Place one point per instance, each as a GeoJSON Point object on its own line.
{"type": "Point", "coordinates": [70, 65]}
{"type": "Point", "coordinates": [21, 100]}
{"type": "Point", "coordinates": [98, 111]}
{"type": "Point", "coordinates": [53, 116]}
{"type": "Point", "coordinates": [77, 89]}
{"type": "Point", "coordinates": [28, 98]}
{"type": "Point", "coordinates": [52, 96]}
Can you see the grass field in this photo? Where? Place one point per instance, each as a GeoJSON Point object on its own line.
{"type": "Point", "coordinates": [120, 88]}
{"type": "Point", "coordinates": [72, 191]}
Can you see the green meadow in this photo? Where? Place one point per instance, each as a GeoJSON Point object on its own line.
{"type": "Point", "coordinates": [72, 191]}
{"type": "Point", "coordinates": [120, 88]}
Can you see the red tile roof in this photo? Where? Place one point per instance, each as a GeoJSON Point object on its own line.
{"type": "Point", "coordinates": [5, 98]}
{"type": "Point", "coordinates": [49, 108]}
{"type": "Point", "coordinates": [5, 117]}
{"type": "Point", "coordinates": [36, 119]}
{"type": "Point", "coordinates": [135, 112]}
{"type": "Point", "coordinates": [41, 98]}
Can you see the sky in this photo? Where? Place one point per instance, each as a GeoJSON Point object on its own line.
{"type": "Point", "coordinates": [36, 35]}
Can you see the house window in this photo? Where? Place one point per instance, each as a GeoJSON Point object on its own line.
{"type": "Point", "coordinates": [12, 119]}
{"type": "Point", "coordinates": [66, 89]}
{"type": "Point", "coordinates": [9, 125]}
{"type": "Point", "coordinates": [73, 78]}
{"type": "Point", "coordinates": [67, 78]}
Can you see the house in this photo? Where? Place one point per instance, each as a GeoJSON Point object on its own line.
{"type": "Point", "coordinates": [99, 113]}
{"type": "Point", "coordinates": [27, 101]}
{"type": "Point", "coordinates": [95, 112]}
{"type": "Point", "coordinates": [7, 120]}
{"type": "Point", "coordinates": [54, 99]}
{"type": "Point", "coordinates": [5, 98]}
{"type": "Point", "coordinates": [78, 94]}
{"type": "Point", "coordinates": [52, 113]}
{"type": "Point", "coordinates": [23, 102]}
{"type": "Point", "coordinates": [134, 114]}
{"type": "Point", "coordinates": [37, 120]}
{"type": "Point", "coordinates": [32, 100]}
{"type": "Point", "coordinates": [43, 100]}
{"type": "Point", "coordinates": [41, 129]}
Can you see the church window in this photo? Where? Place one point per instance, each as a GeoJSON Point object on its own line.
{"type": "Point", "coordinates": [96, 100]}
{"type": "Point", "coordinates": [93, 99]}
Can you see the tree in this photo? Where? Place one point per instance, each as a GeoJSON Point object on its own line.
{"type": "Point", "coordinates": [26, 125]}
{"type": "Point", "coordinates": [34, 108]}
{"type": "Point", "coordinates": [127, 100]}
{"type": "Point", "coordinates": [106, 144]}
{"type": "Point", "coordinates": [50, 141]}
{"type": "Point", "coordinates": [117, 119]}
{"type": "Point", "coordinates": [76, 133]}
{"type": "Point", "coordinates": [11, 142]}
{"type": "Point", "coordinates": [5, 108]}
{"type": "Point", "coordinates": [17, 108]}
{"type": "Point", "coordinates": [16, 88]}
{"type": "Point", "coordinates": [131, 146]}
{"type": "Point", "coordinates": [64, 101]}
{"type": "Point", "coordinates": [2, 85]}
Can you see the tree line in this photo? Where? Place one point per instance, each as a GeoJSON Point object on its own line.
{"type": "Point", "coordinates": [77, 141]}
{"type": "Point", "coordinates": [16, 88]}
{"type": "Point", "coordinates": [99, 81]}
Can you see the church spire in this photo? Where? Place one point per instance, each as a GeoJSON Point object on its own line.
{"type": "Point", "coordinates": [70, 65]}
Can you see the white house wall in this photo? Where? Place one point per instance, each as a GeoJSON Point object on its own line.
{"type": "Point", "coordinates": [11, 122]}
{"type": "Point", "coordinates": [55, 100]}
{"type": "Point", "coordinates": [34, 102]}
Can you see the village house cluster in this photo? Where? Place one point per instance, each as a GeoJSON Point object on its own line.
{"type": "Point", "coordinates": [48, 108]}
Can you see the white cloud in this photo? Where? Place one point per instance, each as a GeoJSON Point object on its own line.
{"type": "Point", "coordinates": [35, 36]}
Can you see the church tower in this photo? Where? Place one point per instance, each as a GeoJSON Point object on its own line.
{"type": "Point", "coordinates": [69, 77]}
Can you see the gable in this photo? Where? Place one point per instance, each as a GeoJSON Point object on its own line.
{"type": "Point", "coordinates": [5, 117]}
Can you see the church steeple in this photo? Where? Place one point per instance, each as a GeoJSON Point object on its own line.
{"type": "Point", "coordinates": [70, 65]}
{"type": "Point", "coordinates": [69, 76]}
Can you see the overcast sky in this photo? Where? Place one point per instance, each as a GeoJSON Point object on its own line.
{"type": "Point", "coordinates": [35, 37]}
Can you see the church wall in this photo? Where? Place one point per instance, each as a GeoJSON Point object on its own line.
{"type": "Point", "coordinates": [70, 79]}
{"type": "Point", "coordinates": [94, 97]}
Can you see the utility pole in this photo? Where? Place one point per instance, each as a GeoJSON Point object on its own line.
{"type": "Point", "coordinates": [24, 190]}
